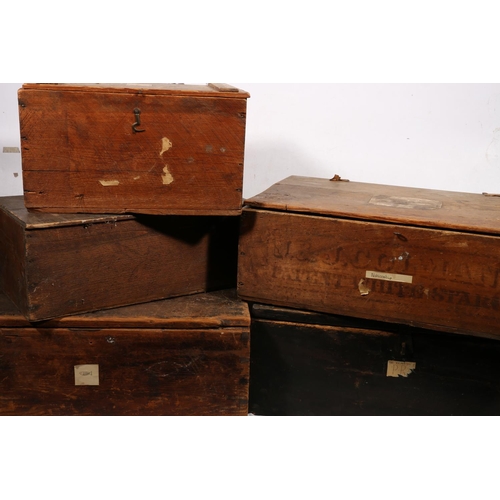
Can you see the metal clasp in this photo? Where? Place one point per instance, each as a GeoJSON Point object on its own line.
{"type": "Point", "coordinates": [137, 114]}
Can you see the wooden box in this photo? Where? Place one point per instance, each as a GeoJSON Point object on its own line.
{"type": "Point", "coordinates": [118, 148]}
{"type": "Point", "coordinates": [182, 356]}
{"type": "Point", "coordinates": [305, 363]}
{"type": "Point", "coordinates": [414, 256]}
{"type": "Point", "coordinates": [57, 265]}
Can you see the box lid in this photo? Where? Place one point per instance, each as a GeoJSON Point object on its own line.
{"type": "Point", "coordinates": [208, 90]}
{"type": "Point", "coordinates": [30, 219]}
{"type": "Point", "coordinates": [376, 202]}
{"type": "Point", "coordinates": [221, 309]}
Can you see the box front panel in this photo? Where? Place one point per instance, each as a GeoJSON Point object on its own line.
{"type": "Point", "coordinates": [301, 369]}
{"type": "Point", "coordinates": [124, 372]}
{"type": "Point", "coordinates": [87, 152]}
{"type": "Point", "coordinates": [98, 266]}
{"type": "Point", "coordinates": [441, 280]}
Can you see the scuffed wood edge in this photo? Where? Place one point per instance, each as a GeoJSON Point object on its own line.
{"type": "Point", "coordinates": [160, 89]}
{"type": "Point", "coordinates": [223, 87]}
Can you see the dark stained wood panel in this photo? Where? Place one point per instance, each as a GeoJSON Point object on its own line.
{"type": "Point", "coordinates": [305, 363]}
{"type": "Point", "coordinates": [32, 219]}
{"type": "Point", "coordinates": [216, 309]}
{"type": "Point", "coordinates": [184, 356]}
{"type": "Point", "coordinates": [60, 270]}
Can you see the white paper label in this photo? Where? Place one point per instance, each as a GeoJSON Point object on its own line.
{"type": "Point", "coordinates": [87, 375]}
{"type": "Point", "coordinates": [400, 278]}
{"type": "Point", "coordinates": [400, 368]}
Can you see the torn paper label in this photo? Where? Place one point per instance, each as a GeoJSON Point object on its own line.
{"type": "Point", "coordinates": [400, 368]}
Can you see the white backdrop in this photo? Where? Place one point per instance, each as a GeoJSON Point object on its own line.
{"type": "Point", "coordinates": [442, 136]}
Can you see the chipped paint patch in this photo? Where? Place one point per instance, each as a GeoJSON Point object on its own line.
{"type": "Point", "coordinates": [363, 289]}
{"type": "Point", "coordinates": [403, 256]}
{"type": "Point", "coordinates": [109, 183]}
{"type": "Point", "coordinates": [166, 144]}
{"type": "Point", "coordinates": [167, 176]}
{"type": "Point", "coordinates": [137, 178]}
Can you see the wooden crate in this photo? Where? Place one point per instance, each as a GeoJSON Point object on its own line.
{"type": "Point", "coordinates": [306, 363]}
{"type": "Point", "coordinates": [182, 356]}
{"type": "Point", "coordinates": [118, 148]}
{"type": "Point", "coordinates": [57, 265]}
{"type": "Point", "coordinates": [414, 256]}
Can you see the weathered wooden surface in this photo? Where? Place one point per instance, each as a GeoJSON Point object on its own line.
{"type": "Point", "coordinates": [376, 202]}
{"type": "Point", "coordinates": [313, 364]}
{"type": "Point", "coordinates": [67, 269]}
{"type": "Point", "coordinates": [80, 153]}
{"type": "Point", "coordinates": [186, 356]}
{"type": "Point", "coordinates": [433, 278]}
{"type": "Point", "coordinates": [175, 89]}
{"type": "Point", "coordinates": [32, 219]}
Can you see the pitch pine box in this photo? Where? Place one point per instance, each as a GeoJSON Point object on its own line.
{"type": "Point", "coordinates": [307, 363]}
{"type": "Point", "coordinates": [419, 257]}
{"type": "Point", "coordinates": [58, 265]}
{"type": "Point", "coordinates": [182, 356]}
{"type": "Point", "coordinates": [168, 149]}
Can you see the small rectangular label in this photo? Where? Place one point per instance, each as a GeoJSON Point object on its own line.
{"type": "Point", "coordinates": [109, 183]}
{"type": "Point", "coordinates": [7, 149]}
{"type": "Point", "coordinates": [87, 375]}
{"type": "Point", "coordinates": [400, 278]}
{"type": "Point", "coordinates": [400, 368]}
{"type": "Point", "coordinates": [400, 202]}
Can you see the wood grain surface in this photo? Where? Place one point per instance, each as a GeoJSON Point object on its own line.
{"type": "Point", "coordinates": [376, 202]}
{"type": "Point", "coordinates": [80, 153]}
{"type": "Point", "coordinates": [62, 270]}
{"type": "Point", "coordinates": [185, 356]}
{"type": "Point", "coordinates": [437, 279]}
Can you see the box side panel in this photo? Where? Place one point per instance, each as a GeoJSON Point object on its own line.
{"type": "Point", "coordinates": [13, 261]}
{"type": "Point", "coordinates": [124, 372]}
{"type": "Point", "coordinates": [302, 369]}
{"type": "Point", "coordinates": [423, 277]}
{"type": "Point", "coordinates": [80, 152]}
{"type": "Point", "coordinates": [92, 267]}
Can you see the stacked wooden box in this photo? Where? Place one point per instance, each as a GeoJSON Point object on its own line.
{"type": "Point", "coordinates": [121, 256]}
{"type": "Point", "coordinates": [370, 299]}
{"type": "Point", "coordinates": [134, 278]}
